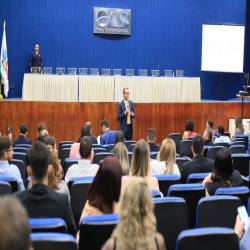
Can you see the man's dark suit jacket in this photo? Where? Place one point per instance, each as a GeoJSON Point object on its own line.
{"type": "Point", "coordinates": [21, 140]}
{"type": "Point", "coordinates": [199, 164]}
{"type": "Point", "coordinates": [154, 147]}
{"type": "Point", "coordinates": [92, 137]}
{"type": "Point", "coordinates": [41, 202]}
{"type": "Point", "coordinates": [122, 117]}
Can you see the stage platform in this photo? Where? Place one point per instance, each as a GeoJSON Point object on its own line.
{"type": "Point", "coordinates": [65, 119]}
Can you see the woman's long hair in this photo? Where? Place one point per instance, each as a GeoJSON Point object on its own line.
{"type": "Point", "coordinates": [106, 186]}
{"type": "Point", "coordinates": [167, 153]}
{"type": "Point", "coordinates": [121, 153]}
{"type": "Point", "coordinates": [119, 137]}
{"type": "Point", "coordinates": [223, 168]}
{"type": "Point", "coordinates": [140, 163]}
{"type": "Point", "coordinates": [136, 227]}
{"type": "Point", "coordinates": [238, 123]}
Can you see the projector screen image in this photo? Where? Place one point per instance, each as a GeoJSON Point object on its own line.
{"type": "Point", "coordinates": [222, 48]}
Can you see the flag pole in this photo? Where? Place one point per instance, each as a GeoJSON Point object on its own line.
{"type": "Point", "coordinates": [1, 97]}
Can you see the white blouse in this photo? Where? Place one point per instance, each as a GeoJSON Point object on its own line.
{"type": "Point", "coordinates": [159, 167]}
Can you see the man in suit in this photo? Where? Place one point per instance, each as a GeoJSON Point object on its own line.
{"type": "Point", "coordinates": [22, 137]}
{"type": "Point", "coordinates": [154, 147]}
{"type": "Point", "coordinates": [39, 200]}
{"type": "Point", "coordinates": [208, 137]}
{"type": "Point", "coordinates": [199, 163]}
{"type": "Point", "coordinates": [92, 137]}
{"type": "Point", "coordinates": [125, 115]}
{"type": "Point", "coordinates": [41, 126]}
{"type": "Point", "coordinates": [108, 136]}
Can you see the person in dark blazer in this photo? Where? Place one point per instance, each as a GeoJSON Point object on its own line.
{"type": "Point", "coordinates": [108, 136]}
{"type": "Point", "coordinates": [208, 137]}
{"type": "Point", "coordinates": [22, 137]}
{"type": "Point", "coordinates": [40, 201]}
{"type": "Point", "coordinates": [126, 114]}
{"type": "Point", "coordinates": [154, 147]}
{"type": "Point", "coordinates": [199, 164]}
{"type": "Point", "coordinates": [92, 137]}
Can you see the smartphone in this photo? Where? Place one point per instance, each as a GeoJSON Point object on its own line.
{"type": "Point", "coordinates": [9, 129]}
{"type": "Point", "coordinates": [244, 216]}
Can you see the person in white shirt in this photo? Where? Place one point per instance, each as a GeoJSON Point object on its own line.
{"type": "Point", "coordinates": [165, 162]}
{"type": "Point", "coordinates": [84, 166]}
{"type": "Point", "coordinates": [221, 137]}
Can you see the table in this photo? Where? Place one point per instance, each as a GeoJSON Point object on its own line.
{"type": "Point", "coordinates": [231, 127]}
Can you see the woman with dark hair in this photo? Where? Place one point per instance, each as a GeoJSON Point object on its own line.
{"type": "Point", "coordinates": [119, 137]}
{"type": "Point", "coordinates": [189, 129]}
{"type": "Point", "coordinates": [223, 174]}
{"type": "Point", "coordinates": [104, 192]}
{"type": "Point", "coordinates": [239, 129]}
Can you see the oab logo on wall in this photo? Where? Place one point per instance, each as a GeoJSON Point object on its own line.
{"type": "Point", "coordinates": [112, 21]}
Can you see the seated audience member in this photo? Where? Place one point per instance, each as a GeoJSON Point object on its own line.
{"type": "Point", "coordinates": [40, 201]}
{"type": "Point", "coordinates": [165, 162]}
{"type": "Point", "coordinates": [42, 134]}
{"type": "Point", "coordinates": [121, 153]}
{"type": "Point", "coordinates": [103, 198]}
{"type": "Point", "coordinates": [221, 137]}
{"type": "Point", "coordinates": [140, 165]}
{"type": "Point", "coordinates": [74, 151]}
{"type": "Point", "coordinates": [199, 164]}
{"type": "Point", "coordinates": [84, 166]}
{"type": "Point", "coordinates": [108, 136]}
{"type": "Point", "coordinates": [223, 174]}
{"type": "Point", "coordinates": [244, 237]}
{"type": "Point", "coordinates": [41, 126]}
{"type": "Point", "coordinates": [189, 130]}
{"type": "Point", "coordinates": [51, 141]}
{"type": "Point", "coordinates": [208, 137]}
{"type": "Point", "coordinates": [153, 147]}
{"type": "Point", "coordinates": [15, 227]}
{"type": "Point", "coordinates": [119, 137]}
{"type": "Point", "coordinates": [136, 228]}
{"type": "Point", "coordinates": [22, 137]}
{"type": "Point", "coordinates": [239, 129]}
{"type": "Point", "coordinates": [93, 138]}
{"type": "Point", "coordinates": [210, 124]}
{"type": "Point", "coordinates": [6, 154]}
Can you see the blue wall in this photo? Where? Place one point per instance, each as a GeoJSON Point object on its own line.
{"type": "Point", "coordinates": [164, 32]}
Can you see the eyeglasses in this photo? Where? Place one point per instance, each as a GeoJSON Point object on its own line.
{"type": "Point", "coordinates": [126, 93]}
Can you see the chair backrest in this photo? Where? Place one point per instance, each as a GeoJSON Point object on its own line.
{"type": "Point", "coordinates": [245, 137]}
{"type": "Point", "coordinates": [179, 73]}
{"type": "Point", "coordinates": [238, 143]}
{"type": "Point", "coordinates": [131, 147]}
{"type": "Point", "coordinates": [110, 147]}
{"type": "Point", "coordinates": [216, 238]}
{"type": "Point", "coordinates": [49, 225]}
{"type": "Point", "coordinates": [143, 72]}
{"type": "Point", "coordinates": [99, 150]}
{"type": "Point", "coordinates": [100, 156]}
{"type": "Point", "coordinates": [130, 154]}
{"type": "Point", "coordinates": [21, 167]}
{"type": "Point", "coordinates": [153, 155]}
{"type": "Point", "coordinates": [94, 71]}
{"type": "Point", "coordinates": [72, 71]}
{"type": "Point", "coordinates": [241, 163]}
{"type": "Point", "coordinates": [64, 155]}
{"type": "Point", "coordinates": [206, 150]}
{"type": "Point", "coordinates": [22, 157]}
{"type": "Point", "coordinates": [192, 193]}
{"type": "Point", "coordinates": [130, 72]}
{"type": "Point", "coordinates": [106, 72]}
{"type": "Point", "coordinates": [227, 134]}
{"type": "Point", "coordinates": [21, 150]}
{"type": "Point", "coordinates": [185, 148]}
{"type": "Point", "coordinates": [190, 138]}
{"type": "Point", "coordinates": [180, 161]}
{"type": "Point", "coordinates": [155, 193]}
{"type": "Point", "coordinates": [81, 178]}
{"type": "Point", "coordinates": [237, 149]}
{"type": "Point", "coordinates": [79, 196]}
{"type": "Point", "coordinates": [128, 143]}
{"type": "Point", "coordinates": [68, 162]}
{"type": "Point", "coordinates": [168, 72]}
{"type": "Point", "coordinates": [212, 151]}
{"type": "Point", "coordinates": [23, 145]}
{"type": "Point", "coordinates": [217, 211]}
{"type": "Point", "coordinates": [83, 71]}
{"type": "Point", "coordinates": [66, 146]}
{"type": "Point", "coordinates": [117, 72]}
{"type": "Point", "coordinates": [166, 180]}
{"type": "Point", "coordinates": [155, 72]}
{"type": "Point", "coordinates": [53, 241]}
{"type": "Point", "coordinates": [196, 177]}
{"type": "Point", "coordinates": [95, 230]}
{"type": "Point", "coordinates": [223, 144]}
{"type": "Point", "coordinates": [171, 218]}
{"type": "Point", "coordinates": [5, 188]}
{"type": "Point", "coordinates": [176, 137]}
{"type": "Point", "coordinates": [12, 181]}
{"type": "Point", "coordinates": [60, 146]}
{"type": "Point", "coordinates": [97, 146]}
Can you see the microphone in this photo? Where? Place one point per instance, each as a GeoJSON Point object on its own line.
{"type": "Point", "coordinates": [59, 70]}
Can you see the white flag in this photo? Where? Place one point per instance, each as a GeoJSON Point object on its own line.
{"type": "Point", "coordinates": [4, 65]}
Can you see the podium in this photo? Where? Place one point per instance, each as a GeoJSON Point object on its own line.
{"type": "Point", "coordinates": [241, 96]}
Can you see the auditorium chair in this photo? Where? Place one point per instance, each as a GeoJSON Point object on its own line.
{"type": "Point", "coordinates": [217, 211]}
{"type": "Point", "coordinates": [95, 230]}
{"type": "Point", "coordinates": [21, 167]}
{"type": "Point", "coordinates": [79, 196]}
{"type": "Point", "coordinates": [53, 241]}
{"type": "Point", "coordinates": [237, 149]}
{"type": "Point", "coordinates": [81, 178]}
{"type": "Point", "coordinates": [192, 193]}
{"type": "Point", "coordinates": [241, 192]}
{"type": "Point", "coordinates": [100, 156]}
{"type": "Point", "coordinates": [48, 225]}
{"type": "Point", "coordinates": [166, 180]}
{"type": "Point", "coordinates": [60, 145]}
{"type": "Point", "coordinates": [181, 160]}
{"type": "Point", "coordinates": [22, 157]}
{"type": "Point", "coordinates": [212, 151]}
{"type": "Point", "coordinates": [206, 150]}
{"type": "Point", "coordinates": [20, 150]}
{"type": "Point", "coordinates": [97, 146]}
{"type": "Point", "coordinates": [196, 177]}
{"type": "Point", "coordinates": [64, 155]}
{"type": "Point", "coordinates": [68, 162]}
{"type": "Point", "coordinates": [131, 147]}
{"type": "Point", "coordinates": [130, 154]}
{"type": "Point", "coordinates": [222, 144]}
{"type": "Point", "coordinates": [128, 143]}
{"type": "Point", "coordinates": [156, 193]}
{"type": "Point", "coordinates": [99, 150]}
{"type": "Point", "coordinates": [215, 238]}
{"type": "Point", "coordinates": [66, 146]}
{"type": "Point", "coordinates": [5, 188]}
{"type": "Point", "coordinates": [23, 145]}
{"type": "Point", "coordinates": [190, 138]}
{"type": "Point", "coordinates": [245, 138]}
{"type": "Point", "coordinates": [238, 143]}
{"type": "Point", "coordinates": [12, 181]}
{"type": "Point", "coordinates": [241, 163]}
{"type": "Point", "coordinates": [227, 134]}
{"type": "Point", "coordinates": [153, 155]}
{"type": "Point", "coordinates": [176, 137]}
{"type": "Point", "coordinates": [171, 218]}
{"type": "Point", "coordinates": [109, 147]}
{"type": "Point", "coordinates": [185, 148]}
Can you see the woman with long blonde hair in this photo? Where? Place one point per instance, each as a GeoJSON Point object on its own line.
{"type": "Point", "coordinates": [239, 129]}
{"type": "Point", "coordinates": [140, 165]}
{"type": "Point", "coordinates": [136, 229]}
{"type": "Point", "coordinates": [121, 153]}
{"type": "Point", "coordinates": [165, 162]}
